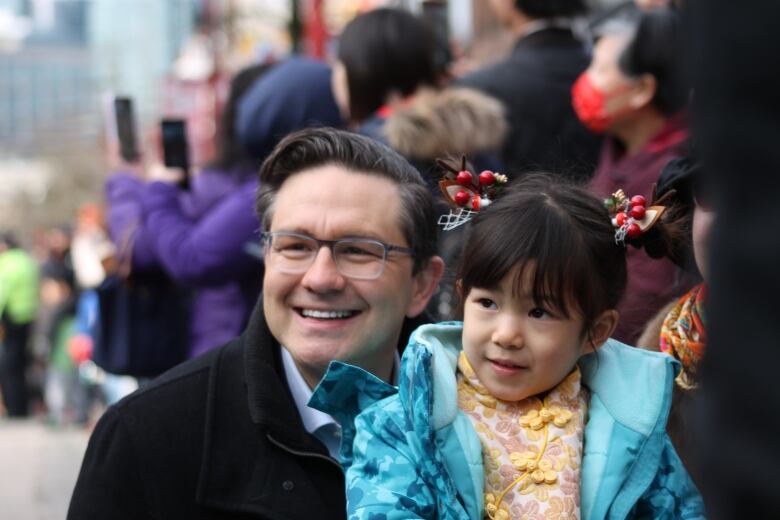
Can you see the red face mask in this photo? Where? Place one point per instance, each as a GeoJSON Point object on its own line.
{"type": "Point", "coordinates": [589, 104]}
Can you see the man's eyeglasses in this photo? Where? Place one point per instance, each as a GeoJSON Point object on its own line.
{"type": "Point", "coordinates": [358, 258]}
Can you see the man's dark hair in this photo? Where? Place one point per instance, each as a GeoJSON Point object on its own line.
{"type": "Point", "coordinates": [551, 8]}
{"type": "Point", "coordinates": [385, 50]}
{"type": "Point", "coordinates": [656, 49]}
{"type": "Point", "coordinates": [315, 147]}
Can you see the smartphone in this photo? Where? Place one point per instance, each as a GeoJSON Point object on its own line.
{"type": "Point", "coordinates": [175, 147]}
{"type": "Point", "coordinates": [125, 128]}
{"type": "Point", "coordinates": [434, 12]}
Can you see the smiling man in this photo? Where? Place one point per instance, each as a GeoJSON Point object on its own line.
{"type": "Point", "coordinates": [350, 253]}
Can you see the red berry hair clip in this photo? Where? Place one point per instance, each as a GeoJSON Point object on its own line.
{"type": "Point", "coordinates": [632, 217]}
{"type": "Point", "coordinates": [466, 192]}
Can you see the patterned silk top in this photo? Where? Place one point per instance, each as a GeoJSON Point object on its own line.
{"type": "Point", "coordinates": [532, 449]}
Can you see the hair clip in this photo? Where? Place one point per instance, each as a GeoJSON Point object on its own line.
{"type": "Point", "coordinates": [632, 217]}
{"type": "Point", "coordinates": [466, 192]}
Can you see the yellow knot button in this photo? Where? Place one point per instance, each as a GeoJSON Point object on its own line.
{"type": "Point", "coordinates": [538, 476]}
{"type": "Point", "coordinates": [501, 515]}
{"type": "Point", "coordinates": [536, 419]}
{"type": "Point", "coordinates": [525, 420]}
{"type": "Point", "coordinates": [522, 460]}
{"type": "Point", "coordinates": [550, 477]}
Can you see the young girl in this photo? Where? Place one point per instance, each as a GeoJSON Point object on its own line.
{"type": "Point", "coordinates": [526, 409]}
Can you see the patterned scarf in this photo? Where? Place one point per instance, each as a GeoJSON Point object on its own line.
{"type": "Point", "coordinates": [531, 449]}
{"type": "Point", "coordinates": [683, 335]}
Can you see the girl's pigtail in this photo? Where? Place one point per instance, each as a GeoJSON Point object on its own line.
{"type": "Point", "coordinates": [670, 235]}
{"type": "Point", "coordinates": [661, 228]}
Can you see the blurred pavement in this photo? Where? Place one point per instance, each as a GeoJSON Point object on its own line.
{"type": "Point", "coordinates": [38, 468]}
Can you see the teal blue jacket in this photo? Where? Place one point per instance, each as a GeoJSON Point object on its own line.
{"type": "Point", "coordinates": [409, 452]}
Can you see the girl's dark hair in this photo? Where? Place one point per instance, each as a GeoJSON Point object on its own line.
{"type": "Point", "coordinates": [231, 154]}
{"type": "Point", "coordinates": [385, 50]}
{"type": "Point", "coordinates": [657, 49]}
{"type": "Point", "coordinates": [560, 231]}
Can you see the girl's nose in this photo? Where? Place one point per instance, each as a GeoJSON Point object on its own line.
{"type": "Point", "coordinates": [508, 333]}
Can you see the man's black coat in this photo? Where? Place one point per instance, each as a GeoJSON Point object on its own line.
{"type": "Point", "coordinates": [216, 437]}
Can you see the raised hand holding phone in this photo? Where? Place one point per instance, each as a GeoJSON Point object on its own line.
{"type": "Point", "coordinates": [176, 148]}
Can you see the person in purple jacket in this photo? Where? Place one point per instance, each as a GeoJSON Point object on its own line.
{"type": "Point", "coordinates": [203, 237]}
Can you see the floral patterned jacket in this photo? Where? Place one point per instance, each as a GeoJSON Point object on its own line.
{"type": "Point", "coordinates": [409, 452]}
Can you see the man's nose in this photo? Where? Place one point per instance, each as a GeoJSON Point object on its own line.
{"type": "Point", "coordinates": [508, 332]}
{"type": "Point", "coordinates": [322, 275]}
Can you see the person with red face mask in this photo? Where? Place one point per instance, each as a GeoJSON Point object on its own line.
{"type": "Point", "coordinates": [634, 91]}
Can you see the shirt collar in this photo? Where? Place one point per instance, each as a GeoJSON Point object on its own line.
{"type": "Point", "coordinates": [313, 419]}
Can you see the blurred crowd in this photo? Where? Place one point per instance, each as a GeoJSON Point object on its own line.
{"type": "Point", "coordinates": [598, 98]}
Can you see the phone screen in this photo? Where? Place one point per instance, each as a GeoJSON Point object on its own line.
{"type": "Point", "coordinates": [175, 149]}
{"type": "Point", "coordinates": [125, 128]}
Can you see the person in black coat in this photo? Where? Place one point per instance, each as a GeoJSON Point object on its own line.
{"type": "Point", "coordinates": [350, 254]}
{"type": "Point", "coordinates": [534, 83]}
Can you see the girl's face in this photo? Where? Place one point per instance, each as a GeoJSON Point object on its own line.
{"type": "Point", "coordinates": [517, 348]}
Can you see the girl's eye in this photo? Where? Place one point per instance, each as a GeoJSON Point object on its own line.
{"type": "Point", "coordinates": [539, 313]}
{"type": "Point", "coordinates": [486, 303]}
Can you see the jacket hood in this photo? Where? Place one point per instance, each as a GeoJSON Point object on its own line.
{"type": "Point", "coordinates": [449, 122]}
{"type": "Point", "coordinates": [293, 95]}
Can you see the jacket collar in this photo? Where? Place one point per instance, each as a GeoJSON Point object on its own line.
{"type": "Point", "coordinates": [247, 376]}
{"type": "Point", "coordinates": [622, 376]}
{"type": "Point", "coordinates": [248, 408]}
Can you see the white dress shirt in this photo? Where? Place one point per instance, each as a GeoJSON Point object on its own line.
{"type": "Point", "coordinates": [318, 423]}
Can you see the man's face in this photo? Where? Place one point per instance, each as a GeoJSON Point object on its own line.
{"type": "Point", "coordinates": [357, 321]}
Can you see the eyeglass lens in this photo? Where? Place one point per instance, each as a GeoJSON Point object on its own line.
{"type": "Point", "coordinates": [355, 258]}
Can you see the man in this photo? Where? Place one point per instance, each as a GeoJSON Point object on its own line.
{"type": "Point", "coordinates": [350, 261]}
{"type": "Point", "coordinates": [18, 307]}
{"type": "Point", "coordinates": [534, 83]}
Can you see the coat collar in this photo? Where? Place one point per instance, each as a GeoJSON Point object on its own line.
{"type": "Point", "coordinates": [249, 408]}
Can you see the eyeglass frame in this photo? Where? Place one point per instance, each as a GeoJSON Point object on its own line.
{"type": "Point", "coordinates": [267, 236]}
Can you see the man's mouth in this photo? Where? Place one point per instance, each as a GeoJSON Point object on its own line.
{"type": "Point", "coordinates": [326, 315]}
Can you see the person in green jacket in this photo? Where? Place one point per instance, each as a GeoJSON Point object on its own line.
{"type": "Point", "coordinates": [18, 308]}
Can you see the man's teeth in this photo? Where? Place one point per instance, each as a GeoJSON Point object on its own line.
{"type": "Point", "coordinates": [326, 315]}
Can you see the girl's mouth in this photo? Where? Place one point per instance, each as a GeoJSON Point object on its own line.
{"type": "Point", "coordinates": [506, 367]}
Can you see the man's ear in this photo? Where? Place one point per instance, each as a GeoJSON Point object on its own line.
{"type": "Point", "coordinates": [602, 329]}
{"type": "Point", "coordinates": [424, 285]}
{"type": "Point", "coordinates": [644, 91]}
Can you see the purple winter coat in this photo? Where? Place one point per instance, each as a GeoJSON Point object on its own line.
{"type": "Point", "coordinates": [199, 237]}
